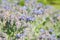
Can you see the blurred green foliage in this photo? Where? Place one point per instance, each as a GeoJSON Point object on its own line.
{"type": "Point", "coordinates": [21, 2]}
{"type": "Point", "coordinates": [52, 2]}
{"type": "Point", "coordinates": [55, 3]}
{"type": "Point", "coordinates": [49, 1]}
{"type": "Point", "coordinates": [0, 1]}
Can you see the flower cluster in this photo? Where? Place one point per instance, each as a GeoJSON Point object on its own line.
{"type": "Point", "coordinates": [47, 35]}
{"type": "Point", "coordinates": [25, 22]}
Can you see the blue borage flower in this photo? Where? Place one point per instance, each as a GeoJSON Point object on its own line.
{"type": "Point", "coordinates": [39, 5]}
{"type": "Point", "coordinates": [22, 17]}
{"type": "Point", "coordinates": [7, 7]}
{"type": "Point", "coordinates": [38, 12]}
{"type": "Point", "coordinates": [42, 30]}
{"type": "Point", "coordinates": [20, 35]}
{"type": "Point", "coordinates": [50, 30]}
{"type": "Point", "coordinates": [27, 1]}
{"type": "Point", "coordinates": [30, 19]}
{"type": "Point", "coordinates": [17, 35]}
{"type": "Point", "coordinates": [53, 37]}
{"type": "Point", "coordinates": [24, 8]}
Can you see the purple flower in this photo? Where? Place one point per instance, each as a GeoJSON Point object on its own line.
{"type": "Point", "coordinates": [42, 30]}
{"type": "Point", "coordinates": [53, 35]}
{"type": "Point", "coordinates": [12, 16]}
{"type": "Point", "coordinates": [39, 5]}
{"type": "Point", "coordinates": [27, 1]}
{"type": "Point", "coordinates": [20, 35]}
{"type": "Point", "coordinates": [17, 35]}
{"type": "Point", "coordinates": [22, 17]}
{"type": "Point", "coordinates": [50, 30]}
{"type": "Point", "coordinates": [7, 7]}
{"type": "Point", "coordinates": [35, 10]}
{"type": "Point", "coordinates": [24, 7]}
{"type": "Point", "coordinates": [38, 12]}
{"type": "Point", "coordinates": [30, 19]}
